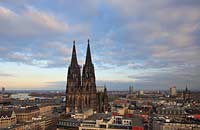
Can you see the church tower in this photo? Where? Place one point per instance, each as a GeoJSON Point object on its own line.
{"type": "Point", "coordinates": [89, 82]}
{"type": "Point", "coordinates": [73, 88]}
{"type": "Point", "coordinates": [81, 92]}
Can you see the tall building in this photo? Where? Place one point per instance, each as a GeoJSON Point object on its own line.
{"type": "Point", "coordinates": [141, 92]}
{"type": "Point", "coordinates": [81, 93]}
{"type": "Point", "coordinates": [173, 91]}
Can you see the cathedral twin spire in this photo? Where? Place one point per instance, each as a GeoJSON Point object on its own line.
{"type": "Point", "coordinates": [80, 91]}
{"type": "Point", "coordinates": [88, 60]}
{"type": "Point", "coordinates": [74, 61]}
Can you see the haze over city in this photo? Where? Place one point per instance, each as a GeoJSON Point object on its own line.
{"type": "Point", "coordinates": [148, 44]}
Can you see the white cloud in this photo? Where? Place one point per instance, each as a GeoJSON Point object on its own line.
{"type": "Point", "coordinates": [36, 37]}
{"type": "Point", "coordinates": [30, 22]}
{"type": "Point", "coordinates": [59, 47]}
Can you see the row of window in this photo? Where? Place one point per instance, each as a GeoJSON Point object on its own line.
{"type": "Point", "coordinates": [64, 123]}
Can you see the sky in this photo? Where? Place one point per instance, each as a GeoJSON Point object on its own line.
{"type": "Point", "coordinates": [150, 44]}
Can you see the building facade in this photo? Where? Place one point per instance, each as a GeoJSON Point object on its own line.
{"type": "Point", "coordinates": [25, 114]}
{"type": "Point", "coordinates": [81, 92]}
{"type": "Point", "coordinates": [106, 122]}
{"type": "Point", "coordinates": [162, 125]}
{"type": "Point", "coordinates": [7, 119]}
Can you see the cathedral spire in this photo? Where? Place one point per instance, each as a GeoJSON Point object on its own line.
{"type": "Point", "coordinates": [74, 58]}
{"type": "Point", "coordinates": [88, 60]}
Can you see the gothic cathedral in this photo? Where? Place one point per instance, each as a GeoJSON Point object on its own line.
{"type": "Point", "coordinates": [81, 91]}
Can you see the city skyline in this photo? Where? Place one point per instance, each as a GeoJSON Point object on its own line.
{"type": "Point", "coordinates": [150, 45]}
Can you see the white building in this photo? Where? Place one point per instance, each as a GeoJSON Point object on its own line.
{"type": "Point", "coordinates": [113, 123]}
{"type": "Point", "coordinates": [173, 91]}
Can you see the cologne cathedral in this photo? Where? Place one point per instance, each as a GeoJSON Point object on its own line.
{"type": "Point", "coordinates": [81, 90]}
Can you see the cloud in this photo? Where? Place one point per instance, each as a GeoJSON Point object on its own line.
{"type": "Point", "coordinates": [30, 22]}
{"type": "Point", "coordinates": [35, 23]}
{"type": "Point", "coordinates": [6, 75]}
{"type": "Point", "coordinates": [156, 35]}
{"type": "Point", "coordinates": [163, 79]}
{"type": "Point", "coordinates": [163, 33]}
{"type": "Point", "coordinates": [148, 41]}
{"type": "Point", "coordinates": [49, 54]}
{"type": "Point", "coordinates": [35, 37]}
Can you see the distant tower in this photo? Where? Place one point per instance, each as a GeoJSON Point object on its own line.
{"type": "Point", "coordinates": [73, 88]}
{"type": "Point", "coordinates": [186, 94]}
{"type": "Point", "coordinates": [3, 90]}
{"type": "Point", "coordinates": [106, 104]}
{"type": "Point", "coordinates": [131, 89]}
{"type": "Point", "coordinates": [89, 82]}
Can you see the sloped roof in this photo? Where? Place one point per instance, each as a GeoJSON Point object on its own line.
{"type": "Point", "coordinates": [27, 109]}
{"type": "Point", "coordinates": [7, 113]}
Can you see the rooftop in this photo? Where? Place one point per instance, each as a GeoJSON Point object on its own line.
{"type": "Point", "coordinates": [99, 116]}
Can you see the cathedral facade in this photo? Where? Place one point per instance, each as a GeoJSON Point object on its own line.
{"type": "Point", "coordinates": [81, 91]}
